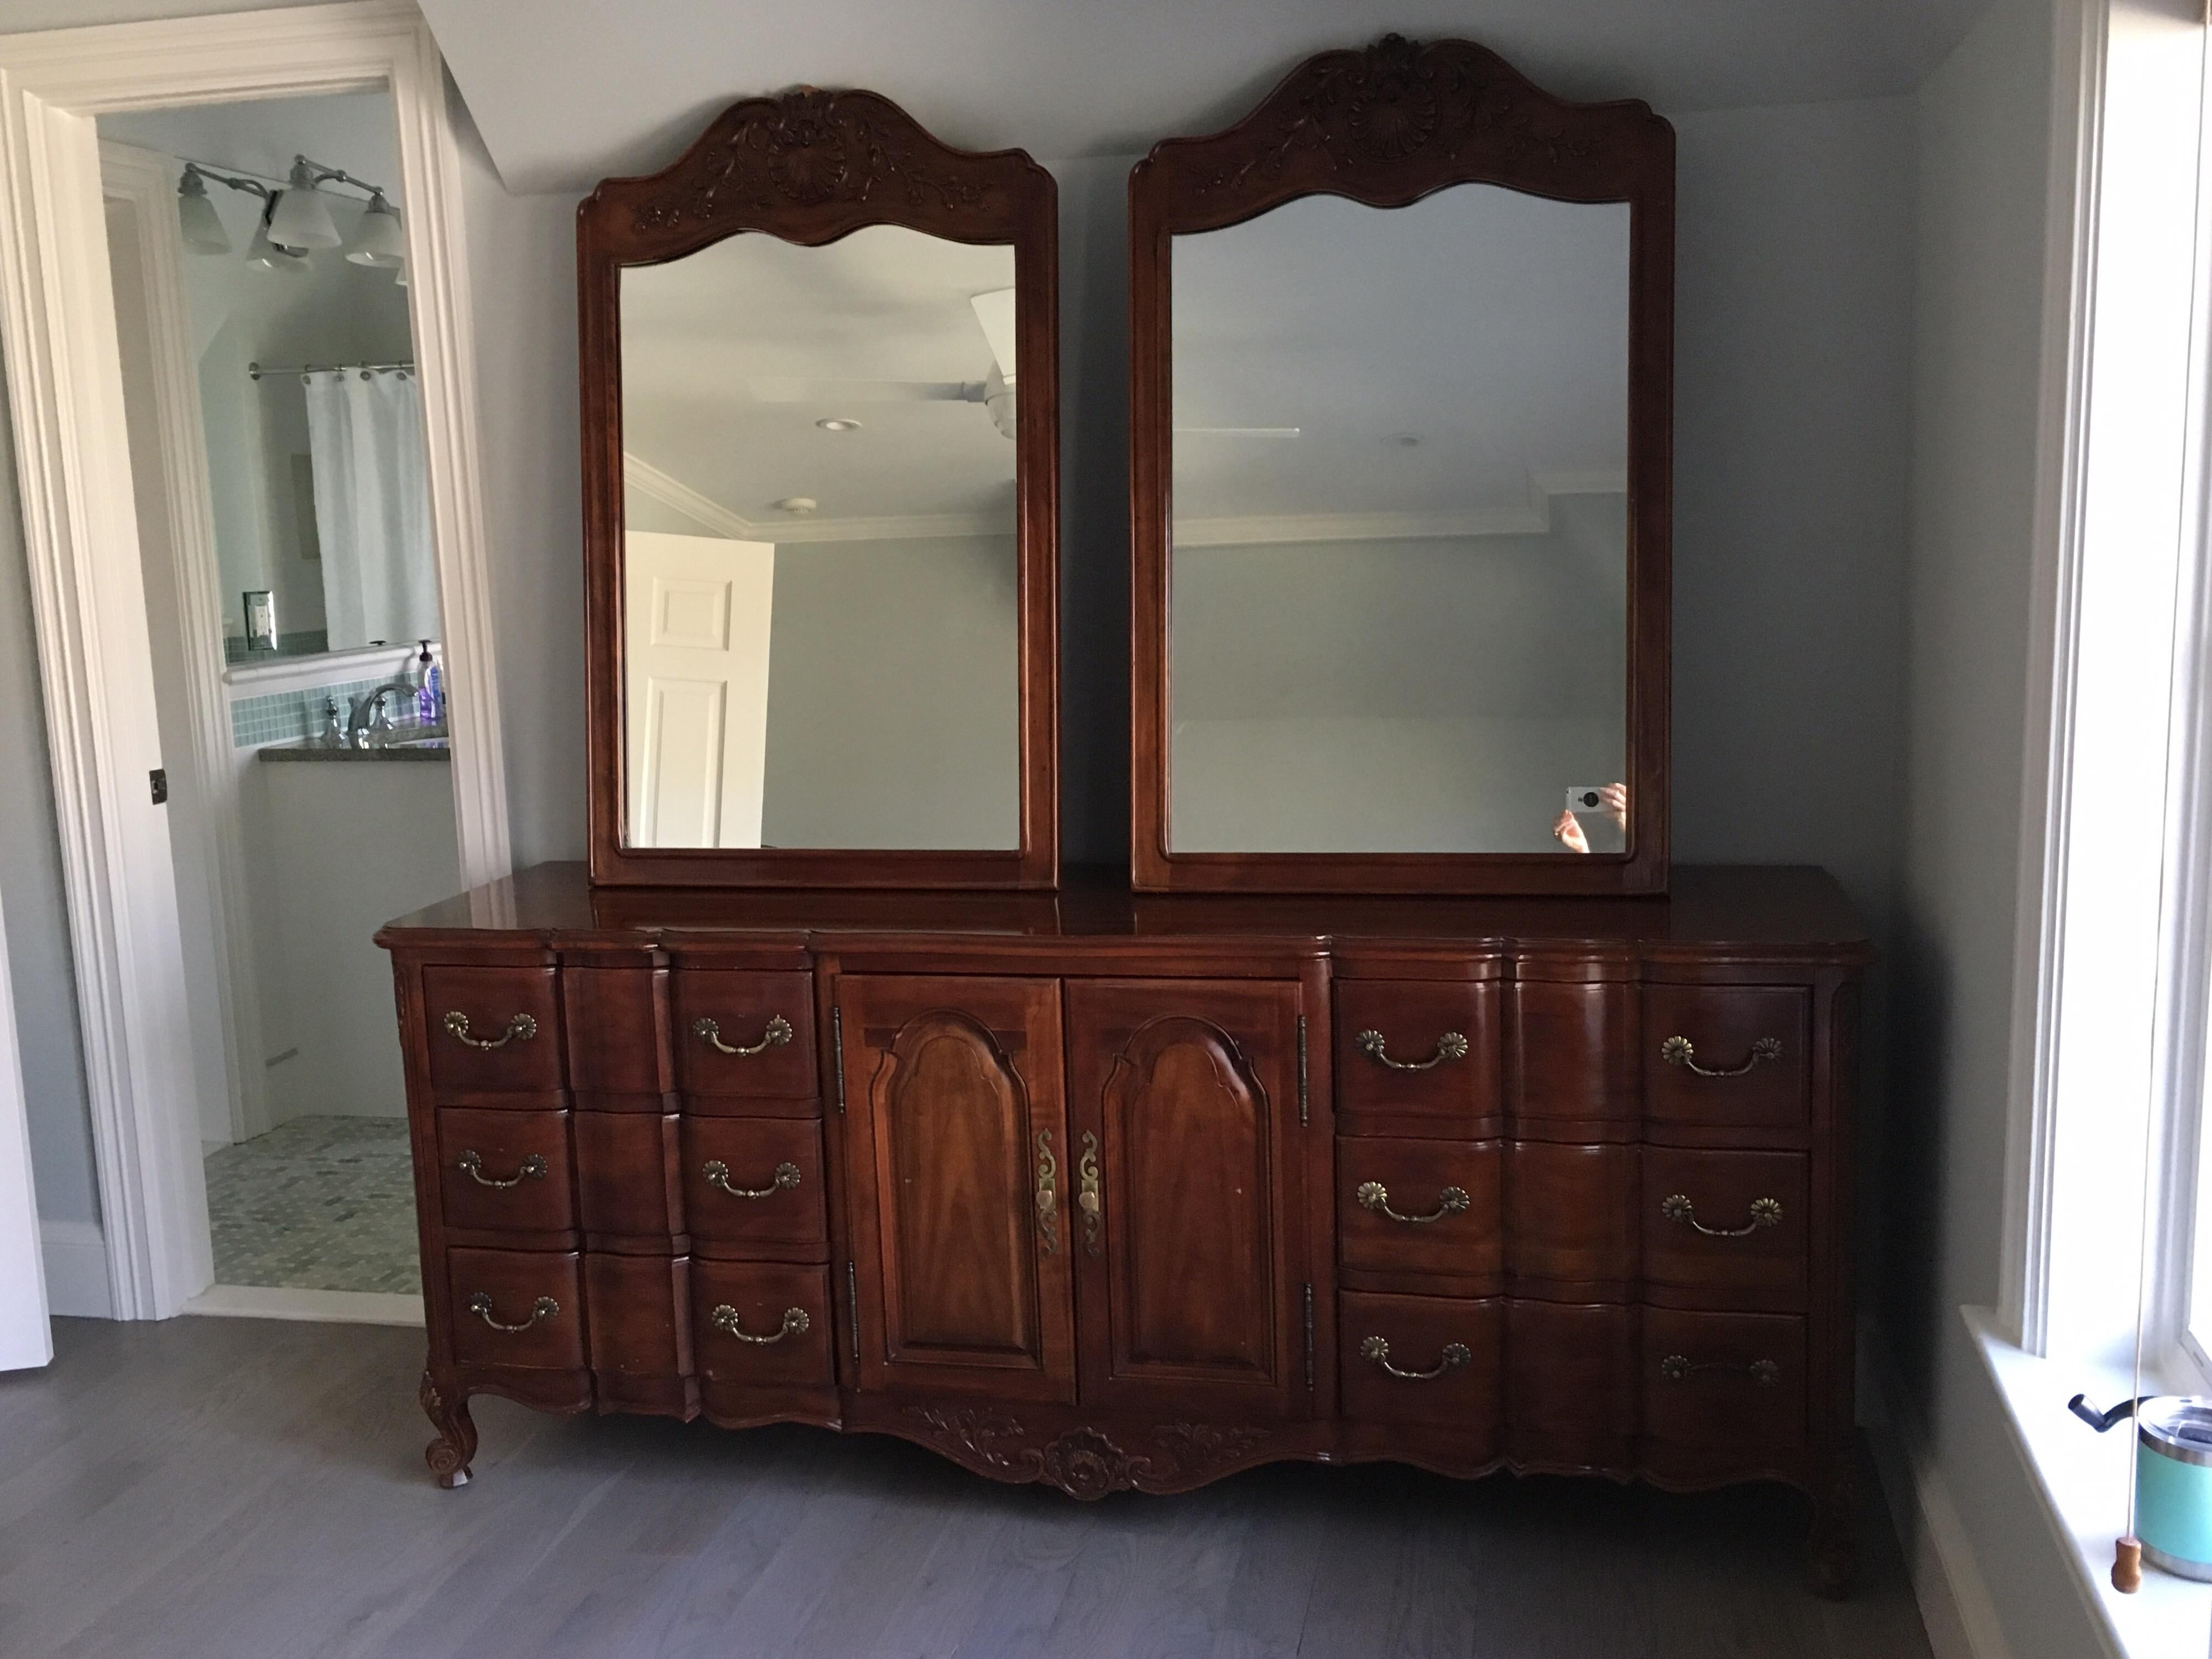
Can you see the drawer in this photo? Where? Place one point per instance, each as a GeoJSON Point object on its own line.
{"type": "Point", "coordinates": [1418, 1057]}
{"type": "Point", "coordinates": [1419, 1206]}
{"type": "Point", "coordinates": [1730, 1382]}
{"type": "Point", "coordinates": [1570, 1384]}
{"type": "Point", "coordinates": [640, 1314]}
{"type": "Point", "coordinates": [764, 1323]}
{"type": "Point", "coordinates": [1420, 1359]}
{"type": "Point", "coordinates": [1570, 1220]}
{"type": "Point", "coordinates": [628, 1176]}
{"type": "Point", "coordinates": [1726, 1055]}
{"type": "Point", "coordinates": [492, 1030]}
{"type": "Point", "coordinates": [754, 1185]}
{"type": "Point", "coordinates": [618, 1033]}
{"type": "Point", "coordinates": [516, 1307]}
{"type": "Point", "coordinates": [505, 1171]}
{"type": "Point", "coordinates": [1725, 1229]}
{"type": "Point", "coordinates": [1572, 1059]}
{"type": "Point", "coordinates": [745, 1042]}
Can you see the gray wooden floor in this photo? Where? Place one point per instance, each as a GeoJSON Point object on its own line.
{"type": "Point", "coordinates": [231, 1488]}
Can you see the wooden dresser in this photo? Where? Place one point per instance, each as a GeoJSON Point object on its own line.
{"type": "Point", "coordinates": [1107, 1191]}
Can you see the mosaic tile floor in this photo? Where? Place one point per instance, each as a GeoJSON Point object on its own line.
{"type": "Point", "coordinates": [318, 1203]}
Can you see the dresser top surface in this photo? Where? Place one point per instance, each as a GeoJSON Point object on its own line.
{"type": "Point", "coordinates": [1773, 906]}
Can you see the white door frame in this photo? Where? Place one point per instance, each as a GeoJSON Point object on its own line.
{"type": "Point", "coordinates": [64, 384]}
{"type": "Point", "coordinates": [143, 182]}
{"type": "Point", "coordinates": [27, 1337]}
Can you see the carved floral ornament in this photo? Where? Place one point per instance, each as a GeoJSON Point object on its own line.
{"type": "Point", "coordinates": [1083, 1463]}
{"type": "Point", "coordinates": [808, 148]}
{"type": "Point", "coordinates": [1396, 101]}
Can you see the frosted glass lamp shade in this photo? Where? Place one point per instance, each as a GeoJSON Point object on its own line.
{"type": "Point", "coordinates": [303, 218]}
{"type": "Point", "coordinates": [380, 242]}
{"type": "Point", "coordinates": [263, 255]}
{"type": "Point", "coordinates": [197, 217]}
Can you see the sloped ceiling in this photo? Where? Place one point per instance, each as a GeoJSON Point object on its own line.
{"type": "Point", "coordinates": [568, 92]}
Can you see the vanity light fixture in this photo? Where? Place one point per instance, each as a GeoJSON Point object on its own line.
{"type": "Point", "coordinates": [838, 423]}
{"type": "Point", "coordinates": [296, 219]}
{"type": "Point", "coordinates": [303, 218]}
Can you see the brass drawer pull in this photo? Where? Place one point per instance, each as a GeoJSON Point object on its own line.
{"type": "Point", "coordinates": [471, 1166]}
{"type": "Point", "coordinates": [521, 1026]}
{"type": "Point", "coordinates": [1374, 1195]}
{"type": "Point", "coordinates": [1086, 1192]}
{"type": "Point", "coordinates": [778, 1033]}
{"type": "Point", "coordinates": [544, 1307]}
{"type": "Point", "coordinates": [1675, 1367]}
{"type": "Point", "coordinates": [1680, 1051]}
{"type": "Point", "coordinates": [1765, 1212]}
{"type": "Point", "coordinates": [1378, 1349]}
{"type": "Point", "coordinates": [725, 1318]}
{"type": "Point", "coordinates": [1047, 1193]}
{"type": "Point", "coordinates": [1452, 1045]}
{"type": "Point", "coordinates": [716, 1173]}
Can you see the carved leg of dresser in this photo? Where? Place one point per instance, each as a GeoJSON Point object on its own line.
{"type": "Point", "coordinates": [455, 1447]}
{"type": "Point", "coordinates": [1835, 1541]}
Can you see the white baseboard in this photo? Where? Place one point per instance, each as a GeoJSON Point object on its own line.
{"type": "Point", "coordinates": [75, 1256]}
{"type": "Point", "coordinates": [326, 1307]}
{"type": "Point", "coordinates": [1956, 1607]}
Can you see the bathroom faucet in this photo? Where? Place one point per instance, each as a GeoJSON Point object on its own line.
{"type": "Point", "coordinates": [371, 726]}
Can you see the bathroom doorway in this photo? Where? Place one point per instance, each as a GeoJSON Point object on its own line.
{"type": "Point", "coordinates": [212, 892]}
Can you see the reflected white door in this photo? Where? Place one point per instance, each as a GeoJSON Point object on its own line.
{"type": "Point", "coordinates": [696, 612]}
{"type": "Point", "coordinates": [26, 1339]}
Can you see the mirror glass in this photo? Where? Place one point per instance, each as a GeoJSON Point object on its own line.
{"type": "Point", "coordinates": [821, 585]}
{"type": "Point", "coordinates": [1399, 601]}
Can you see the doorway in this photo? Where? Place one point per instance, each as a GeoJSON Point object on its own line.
{"type": "Point", "coordinates": [246, 596]}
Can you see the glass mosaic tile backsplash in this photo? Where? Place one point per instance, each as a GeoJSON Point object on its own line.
{"type": "Point", "coordinates": [289, 716]}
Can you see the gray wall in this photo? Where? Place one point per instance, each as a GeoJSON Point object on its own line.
{"type": "Point", "coordinates": [894, 694]}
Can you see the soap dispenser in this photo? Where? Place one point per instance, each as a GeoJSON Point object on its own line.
{"type": "Point", "coordinates": [426, 688]}
{"type": "Point", "coordinates": [333, 732]}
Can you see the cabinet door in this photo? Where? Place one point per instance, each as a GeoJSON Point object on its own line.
{"type": "Point", "coordinates": [956, 1149]}
{"type": "Point", "coordinates": [1186, 1104]}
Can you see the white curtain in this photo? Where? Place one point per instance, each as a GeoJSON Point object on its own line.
{"type": "Point", "coordinates": [371, 506]}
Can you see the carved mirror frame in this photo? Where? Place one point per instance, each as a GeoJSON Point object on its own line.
{"type": "Point", "coordinates": [810, 166]}
{"type": "Point", "coordinates": [1386, 126]}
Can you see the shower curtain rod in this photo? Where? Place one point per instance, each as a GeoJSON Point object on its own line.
{"type": "Point", "coordinates": [255, 371]}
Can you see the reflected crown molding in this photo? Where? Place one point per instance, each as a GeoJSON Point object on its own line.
{"type": "Point", "coordinates": [717, 519]}
{"type": "Point", "coordinates": [1533, 520]}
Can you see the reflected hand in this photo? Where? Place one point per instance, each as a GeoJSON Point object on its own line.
{"type": "Point", "coordinates": [1571, 834]}
{"type": "Point", "coordinates": [1614, 803]}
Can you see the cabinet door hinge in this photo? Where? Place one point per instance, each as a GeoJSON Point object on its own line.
{"type": "Point", "coordinates": [1309, 1340]}
{"type": "Point", "coordinates": [853, 1303]}
{"type": "Point", "coordinates": [1304, 1105]}
{"type": "Point", "coordinates": [837, 1054]}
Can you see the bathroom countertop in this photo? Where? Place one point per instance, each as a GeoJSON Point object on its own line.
{"type": "Point", "coordinates": [418, 750]}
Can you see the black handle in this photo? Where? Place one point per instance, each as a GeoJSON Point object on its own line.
{"type": "Point", "coordinates": [2100, 1421]}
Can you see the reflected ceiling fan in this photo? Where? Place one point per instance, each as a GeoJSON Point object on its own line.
{"type": "Point", "coordinates": [994, 314]}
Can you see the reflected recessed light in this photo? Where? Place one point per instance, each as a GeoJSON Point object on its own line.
{"type": "Point", "coordinates": [838, 423]}
{"type": "Point", "coordinates": [798, 505]}
{"type": "Point", "coordinates": [1404, 439]}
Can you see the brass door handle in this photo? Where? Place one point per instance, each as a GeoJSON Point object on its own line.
{"type": "Point", "coordinates": [1452, 1045]}
{"type": "Point", "coordinates": [777, 1034]}
{"type": "Point", "coordinates": [470, 1164]}
{"type": "Point", "coordinates": [726, 1319]}
{"type": "Point", "coordinates": [1047, 1193]}
{"type": "Point", "coordinates": [1680, 1051]}
{"type": "Point", "coordinates": [1677, 1366]}
{"type": "Point", "coordinates": [1374, 1195]}
{"type": "Point", "coordinates": [544, 1307]}
{"type": "Point", "coordinates": [1087, 1199]}
{"type": "Point", "coordinates": [1765, 1212]}
{"type": "Point", "coordinates": [716, 1173]}
{"type": "Point", "coordinates": [521, 1027]}
{"type": "Point", "coordinates": [1455, 1355]}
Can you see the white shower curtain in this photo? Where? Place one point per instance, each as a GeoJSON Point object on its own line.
{"type": "Point", "coordinates": [371, 506]}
